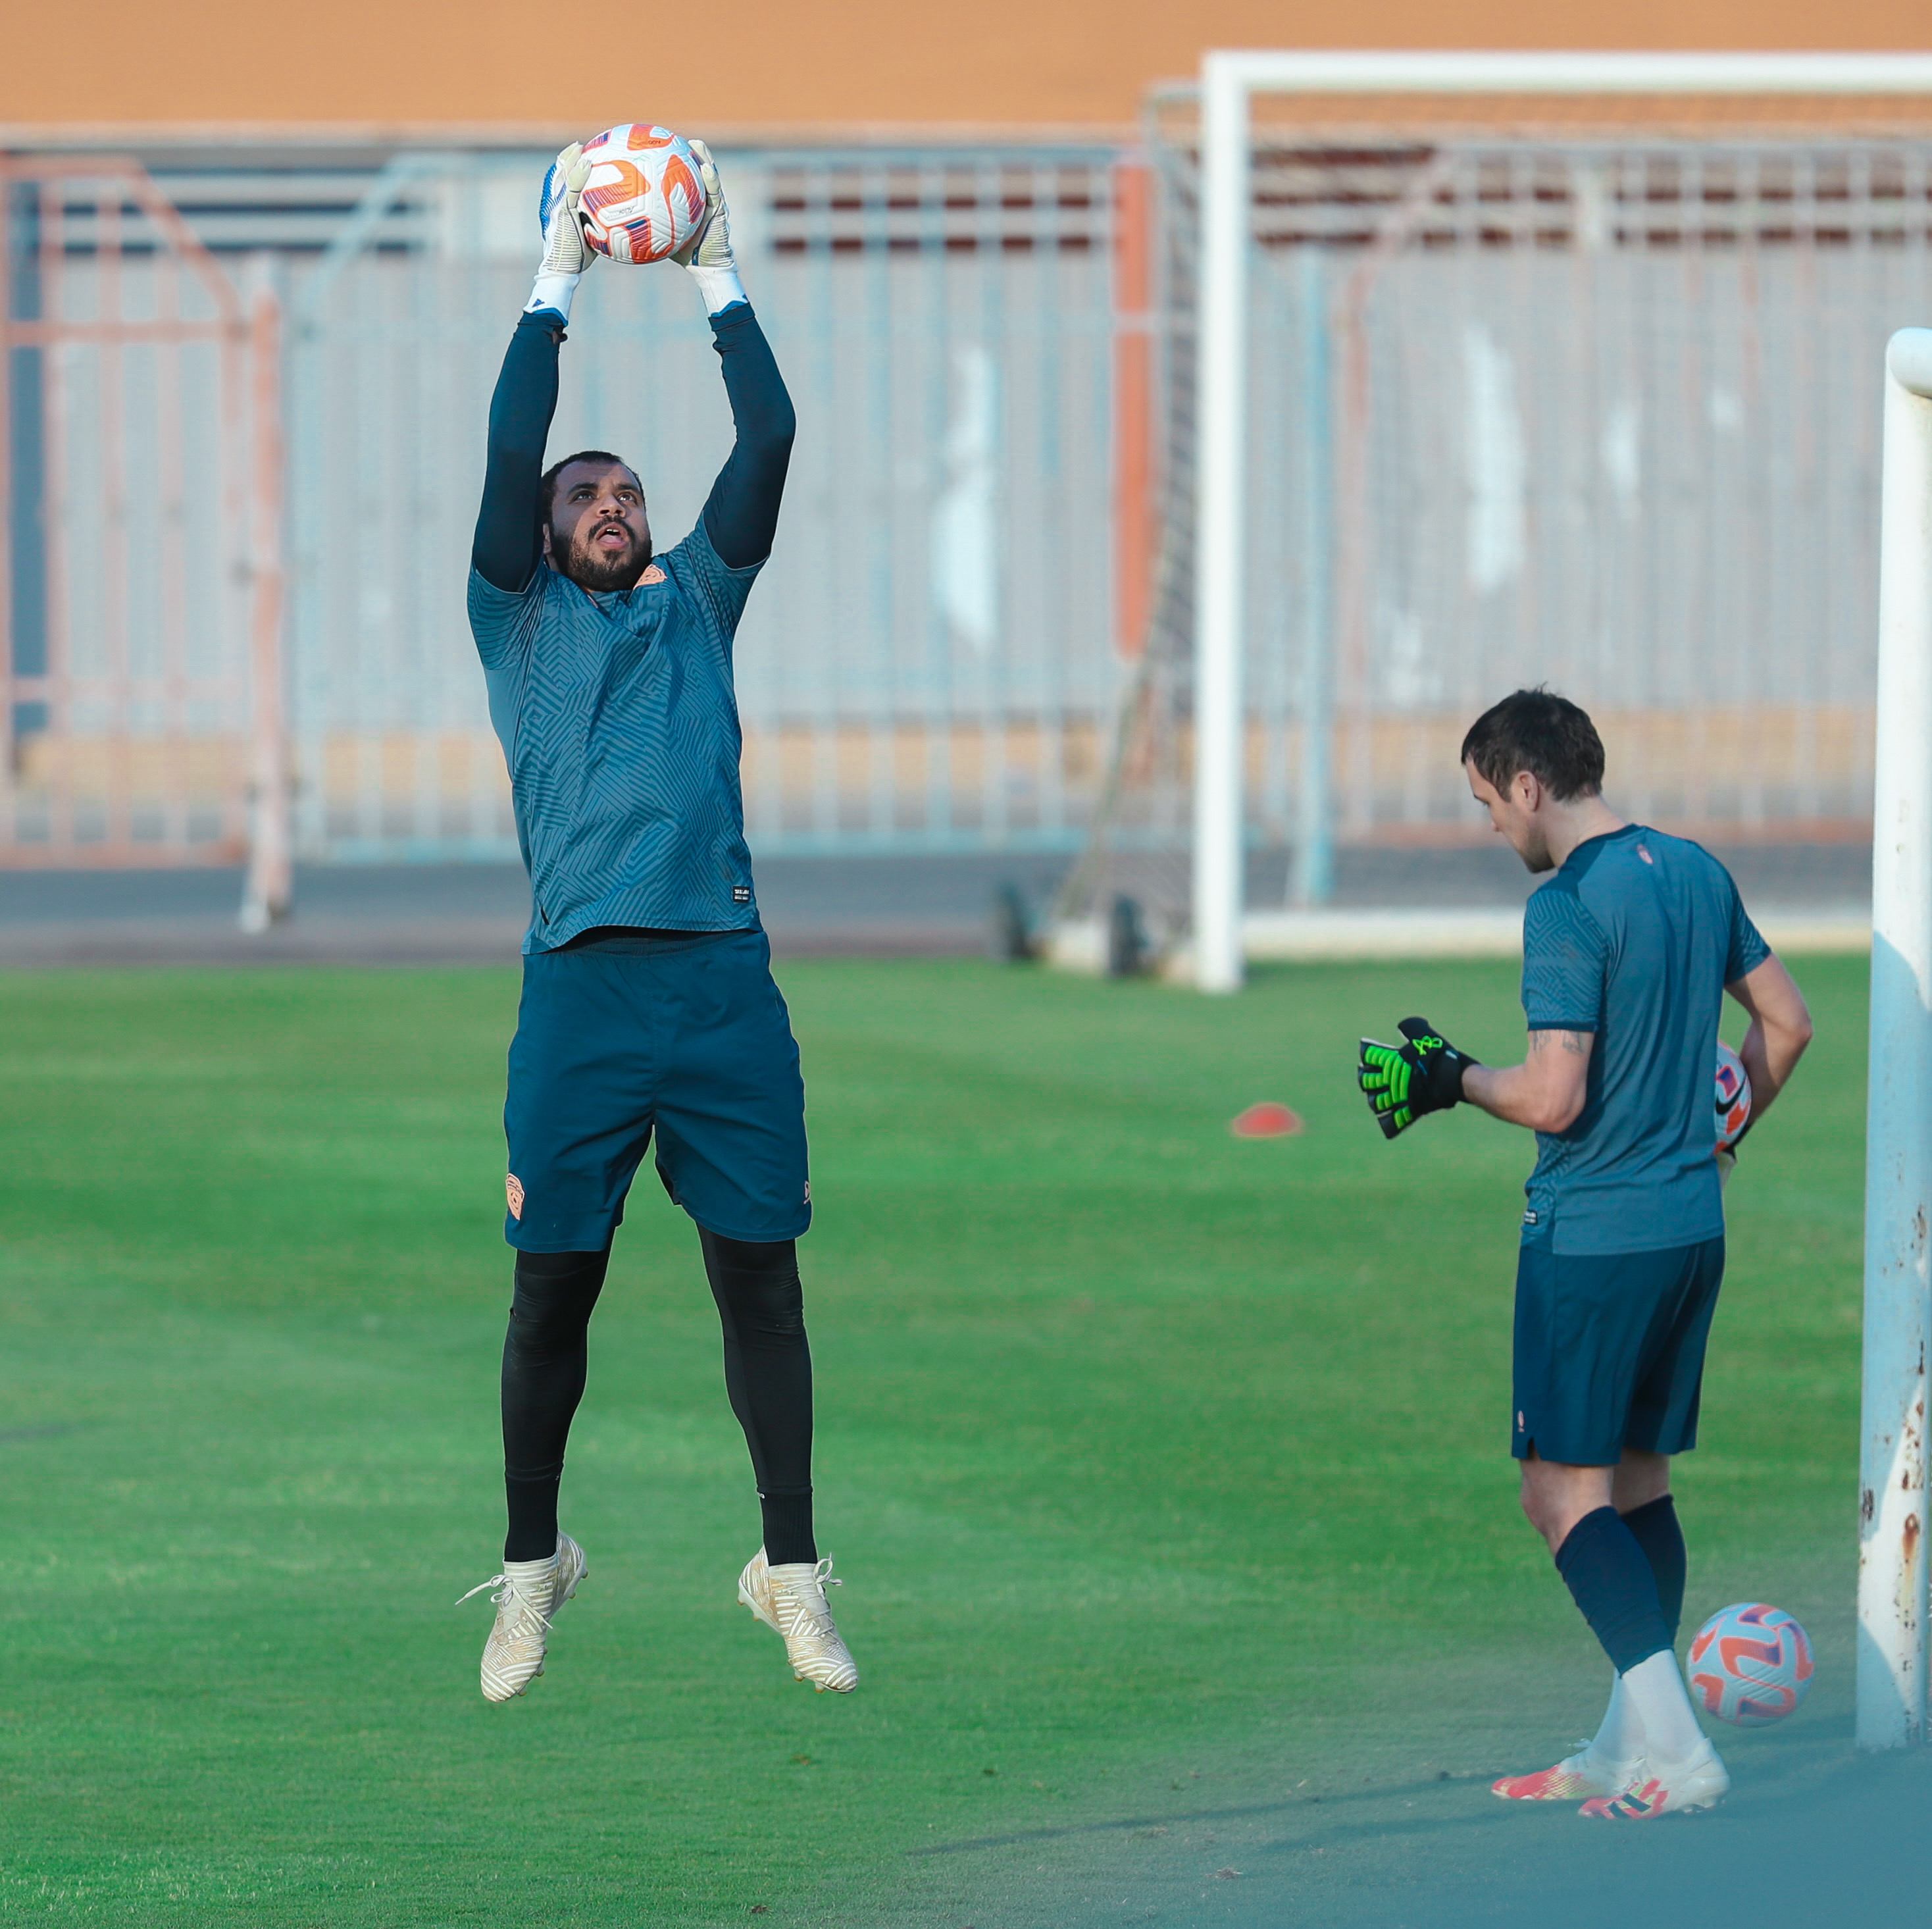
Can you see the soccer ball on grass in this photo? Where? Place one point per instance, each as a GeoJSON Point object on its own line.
{"type": "Point", "coordinates": [1749, 1664]}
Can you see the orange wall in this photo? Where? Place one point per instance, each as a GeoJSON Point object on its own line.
{"type": "Point", "coordinates": [776, 64]}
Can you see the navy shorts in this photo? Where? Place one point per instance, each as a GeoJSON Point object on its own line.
{"type": "Point", "coordinates": [1609, 1349]}
{"type": "Point", "coordinates": [686, 1037]}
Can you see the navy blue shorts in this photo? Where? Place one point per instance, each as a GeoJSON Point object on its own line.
{"type": "Point", "coordinates": [687, 1037]}
{"type": "Point", "coordinates": [1609, 1349]}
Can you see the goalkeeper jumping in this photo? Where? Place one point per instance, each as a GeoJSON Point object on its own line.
{"type": "Point", "coordinates": [648, 1004]}
{"type": "Point", "coordinates": [1628, 952]}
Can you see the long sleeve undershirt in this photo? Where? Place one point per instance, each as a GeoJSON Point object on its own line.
{"type": "Point", "coordinates": [741, 514]}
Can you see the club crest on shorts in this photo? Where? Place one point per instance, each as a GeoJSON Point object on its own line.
{"type": "Point", "coordinates": [513, 1190]}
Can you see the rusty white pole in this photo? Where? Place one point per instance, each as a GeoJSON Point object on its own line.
{"type": "Point", "coordinates": [1898, 1144]}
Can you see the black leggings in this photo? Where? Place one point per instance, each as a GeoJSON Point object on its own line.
{"type": "Point", "coordinates": [767, 1375]}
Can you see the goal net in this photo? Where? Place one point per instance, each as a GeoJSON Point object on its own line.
{"type": "Point", "coordinates": [1597, 413]}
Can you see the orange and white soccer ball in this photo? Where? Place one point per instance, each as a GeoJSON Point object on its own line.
{"type": "Point", "coordinates": [1733, 1097]}
{"type": "Point", "coordinates": [1751, 1664]}
{"type": "Point", "coordinates": [644, 199]}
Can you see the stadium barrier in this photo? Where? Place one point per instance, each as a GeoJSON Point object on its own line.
{"type": "Point", "coordinates": [1592, 410]}
{"type": "Point", "coordinates": [142, 685]}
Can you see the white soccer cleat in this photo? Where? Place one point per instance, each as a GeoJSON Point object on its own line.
{"type": "Point", "coordinates": [528, 1595]}
{"type": "Point", "coordinates": [1702, 1782]}
{"type": "Point", "coordinates": [790, 1601]}
{"type": "Point", "coordinates": [1572, 1779]}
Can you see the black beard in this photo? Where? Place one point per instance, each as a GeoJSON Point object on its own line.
{"type": "Point", "coordinates": [590, 570]}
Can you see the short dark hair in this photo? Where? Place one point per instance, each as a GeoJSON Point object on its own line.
{"type": "Point", "coordinates": [547, 488]}
{"type": "Point", "coordinates": [1538, 731]}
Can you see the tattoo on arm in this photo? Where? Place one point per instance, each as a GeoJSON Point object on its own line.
{"type": "Point", "coordinates": [1576, 1043]}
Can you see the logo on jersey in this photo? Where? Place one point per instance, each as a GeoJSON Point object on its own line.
{"type": "Point", "coordinates": [741, 894]}
{"type": "Point", "coordinates": [513, 1190]}
{"type": "Point", "coordinates": [652, 574]}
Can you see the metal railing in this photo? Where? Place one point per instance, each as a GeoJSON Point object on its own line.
{"type": "Point", "coordinates": [141, 688]}
{"type": "Point", "coordinates": [927, 662]}
{"type": "Point", "coordinates": [1599, 415]}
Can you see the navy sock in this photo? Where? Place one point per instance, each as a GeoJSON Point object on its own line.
{"type": "Point", "coordinates": [1606, 1573]}
{"type": "Point", "coordinates": [787, 1521]}
{"type": "Point", "coordinates": [1655, 1525]}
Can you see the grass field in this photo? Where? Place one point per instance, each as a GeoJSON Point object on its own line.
{"type": "Point", "coordinates": [1167, 1472]}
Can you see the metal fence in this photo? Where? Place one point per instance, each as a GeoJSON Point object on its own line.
{"type": "Point", "coordinates": [927, 664]}
{"type": "Point", "coordinates": [1602, 416]}
{"type": "Point", "coordinates": [140, 687]}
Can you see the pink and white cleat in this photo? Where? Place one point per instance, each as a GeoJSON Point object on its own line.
{"type": "Point", "coordinates": [1702, 1782]}
{"type": "Point", "coordinates": [1571, 1779]}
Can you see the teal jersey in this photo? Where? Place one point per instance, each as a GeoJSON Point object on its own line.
{"type": "Point", "coordinates": [619, 725]}
{"type": "Point", "coordinates": [1633, 940]}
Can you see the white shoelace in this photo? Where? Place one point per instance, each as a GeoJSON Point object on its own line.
{"type": "Point", "coordinates": [508, 1593]}
{"type": "Point", "coordinates": [819, 1611]}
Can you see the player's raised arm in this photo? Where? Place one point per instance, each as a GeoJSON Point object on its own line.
{"type": "Point", "coordinates": [508, 543]}
{"type": "Point", "coordinates": [741, 515]}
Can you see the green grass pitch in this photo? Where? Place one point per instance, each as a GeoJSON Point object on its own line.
{"type": "Point", "coordinates": [1153, 1460]}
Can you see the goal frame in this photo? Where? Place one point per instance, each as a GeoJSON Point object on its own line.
{"type": "Point", "coordinates": [1893, 1604]}
{"type": "Point", "coordinates": [1230, 78]}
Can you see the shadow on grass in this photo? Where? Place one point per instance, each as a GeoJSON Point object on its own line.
{"type": "Point", "coordinates": [1813, 1833]}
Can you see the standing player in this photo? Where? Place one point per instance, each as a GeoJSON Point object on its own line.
{"type": "Point", "coordinates": [648, 1003]}
{"type": "Point", "coordinates": [1627, 951]}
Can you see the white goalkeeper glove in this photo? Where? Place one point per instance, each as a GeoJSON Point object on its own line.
{"type": "Point", "coordinates": [566, 254]}
{"type": "Point", "coordinates": [708, 253]}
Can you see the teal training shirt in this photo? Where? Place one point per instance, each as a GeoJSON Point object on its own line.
{"type": "Point", "coordinates": [1633, 939]}
{"type": "Point", "coordinates": [620, 725]}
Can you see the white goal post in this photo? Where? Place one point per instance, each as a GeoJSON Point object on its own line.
{"type": "Point", "coordinates": [1892, 1602]}
{"type": "Point", "coordinates": [1892, 1650]}
{"type": "Point", "coordinates": [1229, 80]}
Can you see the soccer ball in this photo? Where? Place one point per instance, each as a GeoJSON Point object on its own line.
{"type": "Point", "coordinates": [1734, 1097]}
{"type": "Point", "coordinates": [1749, 1664]}
{"type": "Point", "coordinates": [643, 199]}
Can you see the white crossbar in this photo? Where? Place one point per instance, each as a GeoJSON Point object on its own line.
{"type": "Point", "coordinates": [1262, 71]}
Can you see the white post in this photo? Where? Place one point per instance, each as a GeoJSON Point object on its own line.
{"type": "Point", "coordinates": [1221, 344]}
{"type": "Point", "coordinates": [1891, 1655]}
{"type": "Point", "coordinates": [268, 888]}
{"type": "Point", "coordinates": [1312, 880]}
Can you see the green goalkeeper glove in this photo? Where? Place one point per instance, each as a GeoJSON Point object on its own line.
{"type": "Point", "coordinates": [1403, 1082]}
{"type": "Point", "coordinates": [708, 253]}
